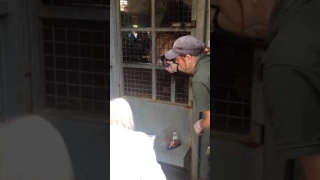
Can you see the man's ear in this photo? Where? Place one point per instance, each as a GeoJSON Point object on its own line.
{"type": "Point", "coordinates": [188, 57]}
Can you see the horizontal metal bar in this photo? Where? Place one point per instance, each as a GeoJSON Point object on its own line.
{"type": "Point", "coordinates": [232, 87]}
{"type": "Point", "coordinates": [136, 29]}
{"type": "Point", "coordinates": [157, 101]}
{"type": "Point", "coordinates": [81, 13]}
{"type": "Point", "coordinates": [229, 116]}
{"type": "Point", "coordinates": [234, 102]}
{"type": "Point", "coordinates": [76, 98]}
{"type": "Point", "coordinates": [143, 66]}
{"type": "Point", "coordinates": [75, 29]}
{"type": "Point", "coordinates": [157, 29]}
{"type": "Point", "coordinates": [73, 43]}
{"type": "Point", "coordinates": [75, 71]}
{"type": "Point", "coordinates": [76, 57]}
{"type": "Point", "coordinates": [80, 85]}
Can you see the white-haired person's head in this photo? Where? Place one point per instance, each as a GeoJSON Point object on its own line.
{"type": "Point", "coordinates": [31, 148]}
{"type": "Point", "coordinates": [121, 113]}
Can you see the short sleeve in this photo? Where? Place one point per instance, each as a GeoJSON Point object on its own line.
{"type": "Point", "coordinates": [201, 96]}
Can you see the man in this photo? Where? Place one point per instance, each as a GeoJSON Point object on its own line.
{"type": "Point", "coordinates": [191, 57]}
{"type": "Point", "coordinates": [290, 75]}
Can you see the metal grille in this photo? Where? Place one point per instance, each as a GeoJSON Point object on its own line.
{"type": "Point", "coordinates": [77, 3]}
{"type": "Point", "coordinates": [135, 13]}
{"type": "Point", "coordinates": [138, 82]}
{"type": "Point", "coordinates": [169, 11]}
{"type": "Point", "coordinates": [182, 88]}
{"type": "Point", "coordinates": [165, 42]}
{"type": "Point", "coordinates": [163, 85]}
{"type": "Point", "coordinates": [136, 47]}
{"type": "Point", "coordinates": [232, 90]}
{"type": "Point", "coordinates": [76, 60]}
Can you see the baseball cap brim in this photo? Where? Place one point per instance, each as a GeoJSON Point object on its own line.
{"type": "Point", "coordinates": [170, 54]}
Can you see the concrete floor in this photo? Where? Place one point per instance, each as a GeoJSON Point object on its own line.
{"type": "Point", "coordinates": [88, 147]}
{"type": "Point", "coordinates": [175, 173]}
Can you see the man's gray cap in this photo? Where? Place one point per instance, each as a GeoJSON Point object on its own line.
{"type": "Point", "coordinates": [185, 45]}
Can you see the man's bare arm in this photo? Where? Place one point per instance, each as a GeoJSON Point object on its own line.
{"type": "Point", "coordinates": [205, 123]}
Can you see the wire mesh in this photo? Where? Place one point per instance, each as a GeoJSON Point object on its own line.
{"type": "Point", "coordinates": [163, 85]}
{"type": "Point", "coordinates": [76, 60]}
{"type": "Point", "coordinates": [77, 3]}
{"type": "Point", "coordinates": [182, 88]}
{"type": "Point", "coordinates": [165, 41]}
{"type": "Point", "coordinates": [232, 70]}
{"type": "Point", "coordinates": [136, 47]}
{"type": "Point", "coordinates": [169, 11]}
{"type": "Point", "coordinates": [138, 82]}
{"type": "Point", "coordinates": [135, 13]}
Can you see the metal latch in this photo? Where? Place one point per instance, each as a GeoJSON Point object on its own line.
{"type": "Point", "coordinates": [3, 8]}
{"type": "Point", "coordinates": [191, 24]}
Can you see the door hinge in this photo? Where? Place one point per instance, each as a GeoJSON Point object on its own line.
{"type": "Point", "coordinates": [191, 24]}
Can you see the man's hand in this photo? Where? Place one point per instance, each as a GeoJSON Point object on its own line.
{"type": "Point", "coordinates": [172, 67]}
{"type": "Point", "coordinates": [197, 128]}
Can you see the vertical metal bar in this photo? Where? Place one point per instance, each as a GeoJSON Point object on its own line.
{"type": "Point", "coordinates": [2, 99]}
{"type": "Point", "coordinates": [92, 73]}
{"type": "Point", "coordinates": [54, 63]}
{"type": "Point", "coordinates": [153, 24]}
{"type": "Point", "coordinates": [66, 63]}
{"type": "Point", "coordinates": [173, 88]}
{"type": "Point", "coordinates": [118, 33]}
{"type": "Point", "coordinates": [79, 72]}
{"type": "Point", "coordinates": [228, 109]}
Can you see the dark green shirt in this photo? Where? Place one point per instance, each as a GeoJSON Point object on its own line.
{"type": "Point", "coordinates": [201, 84]}
{"type": "Point", "coordinates": [294, 34]}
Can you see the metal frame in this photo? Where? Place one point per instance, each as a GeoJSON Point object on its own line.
{"type": "Point", "coordinates": [37, 12]}
{"type": "Point", "coordinates": [153, 65]}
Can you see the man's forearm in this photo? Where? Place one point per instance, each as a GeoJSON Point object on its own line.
{"type": "Point", "coordinates": [204, 123]}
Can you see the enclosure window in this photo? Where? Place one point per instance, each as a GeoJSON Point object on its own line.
{"type": "Point", "coordinates": [163, 85]}
{"type": "Point", "coordinates": [165, 41]}
{"type": "Point", "coordinates": [79, 3]}
{"type": "Point", "coordinates": [169, 11]}
{"type": "Point", "coordinates": [137, 82]}
{"type": "Point", "coordinates": [232, 75]}
{"type": "Point", "coordinates": [136, 47]}
{"type": "Point", "coordinates": [182, 88]}
{"type": "Point", "coordinates": [143, 45]}
{"type": "Point", "coordinates": [76, 62]}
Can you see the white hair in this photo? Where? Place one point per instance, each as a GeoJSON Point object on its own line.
{"type": "Point", "coordinates": [121, 113]}
{"type": "Point", "coordinates": [32, 149]}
